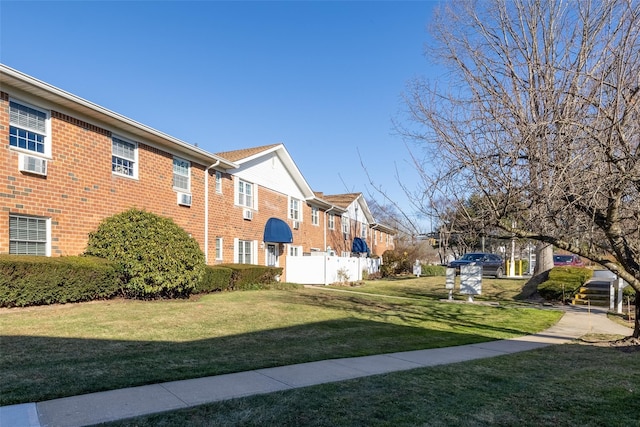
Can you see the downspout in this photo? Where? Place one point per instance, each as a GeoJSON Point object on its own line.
{"type": "Point", "coordinates": [206, 211]}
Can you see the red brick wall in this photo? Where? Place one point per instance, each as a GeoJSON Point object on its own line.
{"type": "Point", "coordinates": [80, 190]}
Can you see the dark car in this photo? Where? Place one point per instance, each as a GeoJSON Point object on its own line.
{"type": "Point", "coordinates": [492, 265]}
{"type": "Point", "coordinates": [567, 260]}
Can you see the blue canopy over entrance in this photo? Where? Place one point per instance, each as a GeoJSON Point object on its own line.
{"type": "Point", "coordinates": [277, 231]}
{"type": "Point", "coordinates": [359, 246]}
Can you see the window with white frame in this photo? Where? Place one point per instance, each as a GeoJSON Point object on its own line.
{"type": "Point", "coordinates": [294, 209]}
{"type": "Point", "coordinates": [28, 128]}
{"type": "Point", "coordinates": [124, 156]}
{"type": "Point", "coordinates": [29, 235]}
{"type": "Point", "coordinates": [181, 174]}
{"type": "Point", "coordinates": [363, 230]}
{"type": "Point", "coordinates": [331, 222]}
{"type": "Point", "coordinates": [244, 251]}
{"type": "Point", "coordinates": [345, 224]}
{"type": "Point", "coordinates": [219, 248]}
{"type": "Point", "coordinates": [295, 250]}
{"type": "Point", "coordinates": [315, 216]}
{"type": "Point", "coordinates": [245, 193]}
{"type": "Point", "coordinates": [375, 237]}
{"type": "Point", "coordinates": [218, 182]}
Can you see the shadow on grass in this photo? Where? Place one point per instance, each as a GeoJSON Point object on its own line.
{"type": "Point", "coordinates": [41, 368]}
{"type": "Point", "coordinates": [458, 315]}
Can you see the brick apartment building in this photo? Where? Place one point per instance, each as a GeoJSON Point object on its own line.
{"type": "Point", "coordinates": [67, 164]}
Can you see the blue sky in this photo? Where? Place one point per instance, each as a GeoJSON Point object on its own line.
{"type": "Point", "coordinates": [323, 77]}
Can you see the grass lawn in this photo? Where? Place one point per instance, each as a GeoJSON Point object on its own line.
{"type": "Point", "coordinates": [565, 385]}
{"type": "Point", "coordinates": [63, 350]}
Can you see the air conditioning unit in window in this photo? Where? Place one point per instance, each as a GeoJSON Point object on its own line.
{"type": "Point", "coordinates": [296, 225]}
{"type": "Point", "coordinates": [247, 214]}
{"type": "Point", "coordinates": [32, 164]}
{"type": "Point", "coordinates": [184, 199]}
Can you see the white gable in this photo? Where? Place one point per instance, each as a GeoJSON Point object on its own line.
{"type": "Point", "coordinates": [270, 171]}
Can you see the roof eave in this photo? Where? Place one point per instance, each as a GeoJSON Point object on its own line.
{"type": "Point", "coordinates": [40, 89]}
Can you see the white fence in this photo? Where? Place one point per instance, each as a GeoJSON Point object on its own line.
{"type": "Point", "coordinates": [325, 269]}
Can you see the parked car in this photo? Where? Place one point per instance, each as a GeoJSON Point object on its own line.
{"type": "Point", "coordinates": [492, 265]}
{"type": "Point", "coordinates": [567, 260]}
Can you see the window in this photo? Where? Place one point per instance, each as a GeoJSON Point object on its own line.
{"type": "Point", "coordinates": [28, 128]}
{"type": "Point", "coordinates": [181, 175]}
{"type": "Point", "coordinates": [345, 224]}
{"type": "Point", "coordinates": [245, 194]}
{"type": "Point", "coordinates": [375, 237]}
{"type": "Point", "coordinates": [295, 250]}
{"type": "Point", "coordinates": [218, 182]}
{"type": "Point", "coordinates": [314, 216]}
{"type": "Point", "coordinates": [28, 235]}
{"type": "Point", "coordinates": [363, 230]}
{"type": "Point", "coordinates": [294, 209]}
{"type": "Point", "coordinates": [332, 222]}
{"type": "Point", "coordinates": [244, 251]}
{"type": "Point", "coordinates": [124, 157]}
{"type": "Point", "coordinates": [219, 248]}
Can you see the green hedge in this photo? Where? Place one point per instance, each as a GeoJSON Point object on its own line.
{"type": "Point", "coordinates": [568, 279]}
{"type": "Point", "coordinates": [32, 280]}
{"type": "Point", "coordinates": [250, 276]}
{"type": "Point", "coordinates": [215, 279]}
{"type": "Point", "coordinates": [433, 270]}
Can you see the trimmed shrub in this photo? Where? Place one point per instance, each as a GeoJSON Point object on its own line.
{"type": "Point", "coordinates": [215, 279]}
{"type": "Point", "coordinates": [156, 256]}
{"type": "Point", "coordinates": [32, 280]}
{"type": "Point", "coordinates": [251, 277]}
{"type": "Point", "coordinates": [563, 281]}
{"type": "Point", "coordinates": [393, 262]}
{"type": "Point", "coordinates": [434, 270]}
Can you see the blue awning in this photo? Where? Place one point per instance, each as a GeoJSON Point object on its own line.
{"type": "Point", "coordinates": [359, 246]}
{"type": "Point", "coordinates": [277, 231]}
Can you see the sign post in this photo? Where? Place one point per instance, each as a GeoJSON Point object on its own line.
{"type": "Point", "coordinates": [450, 281]}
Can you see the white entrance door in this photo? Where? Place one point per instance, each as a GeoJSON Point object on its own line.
{"type": "Point", "coordinates": [272, 255]}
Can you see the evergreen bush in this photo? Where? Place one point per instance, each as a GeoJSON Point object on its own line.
{"type": "Point", "coordinates": [33, 280]}
{"type": "Point", "coordinates": [250, 276]}
{"type": "Point", "coordinates": [564, 282]}
{"type": "Point", "coordinates": [434, 270]}
{"type": "Point", "coordinates": [156, 256]}
{"type": "Point", "coordinates": [215, 279]}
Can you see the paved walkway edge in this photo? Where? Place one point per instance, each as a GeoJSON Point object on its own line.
{"type": "Point", "coordinates": [94, 408]}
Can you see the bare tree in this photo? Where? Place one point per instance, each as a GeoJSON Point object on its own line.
{"type": "Point", "coordinates": [539, 112]}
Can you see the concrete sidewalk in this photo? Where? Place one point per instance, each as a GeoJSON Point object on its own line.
{"type": "Point", "coordinates": [113, 405]}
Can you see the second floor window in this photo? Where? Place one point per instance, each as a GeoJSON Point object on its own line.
{"type": "Point", "coordinates": [345, 224]}
{"type": "Point", "coordinates": [218, 182]}
{"type": "Point", "coordinates": [27, 128]}
{"type": "Point", "coordinates": [123, 157]}
{"type": "Point", "coordinates": [315, 216]}
{"type": "Point", "coordinates": [245, 194]}
{"type": "Point", "coordinates": [294, 209]}
{"type": "Point", "coordinates": [331, 222]}
{"type": "Point", "coordinates": [181, 174]}
{"type": "Point", "coordinates": [363, 230]}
